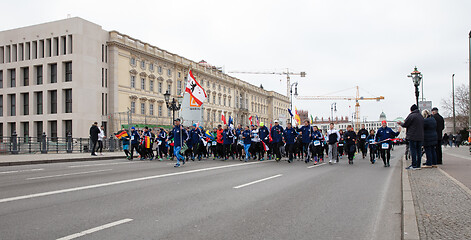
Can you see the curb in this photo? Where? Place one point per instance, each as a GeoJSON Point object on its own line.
{"type": "Point", "coordinates": [4, 164]}
{"type": "Point", "coordinates": [410, 230]}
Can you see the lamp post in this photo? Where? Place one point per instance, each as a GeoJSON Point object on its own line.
{"type": "Point", "coordinates": [469, 62]}
{"type": "Point", "coordinates": [173, 105]}
{"type": "Point", "coordinates": [295, 84]}
{"type": "Point", "coordinates": [333, 107]}
{"type": "Point", "coordinates": [416, 78]}
{"type": "Point", "coordinates": [453, 96]}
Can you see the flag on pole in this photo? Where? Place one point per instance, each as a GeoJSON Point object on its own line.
{"type": "Point", "coordinates": [230, 123]}
{"type": "Point", "coordinates": [265, 147]}
{"type": "Point", "coordinates": [121, 135]}
{"type": "Point", "coordinates": [312, 121]}
{"type": "Point", "coordinates": [195, 89]}
{"type": "Point", "coordinates": [258, 122]}
{"type": "Point", "coordinates": [270, 139]}
{"type": "Point", "coordinates": [296, 116]}
{"type": "Point", "coordinates": [250, 119]}
{"type": "Point", "coordinates": [208, 135]}
{"type": "Point", "coordinates": [223, 118]}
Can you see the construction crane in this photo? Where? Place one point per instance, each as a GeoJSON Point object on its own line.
{"type": "Point", "coordinates": [288, 80]}
{"type": "Point", "coordinates": [356, 98]}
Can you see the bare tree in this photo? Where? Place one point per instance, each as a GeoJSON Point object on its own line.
{"type": "Point", "coordinates": [461, 106]}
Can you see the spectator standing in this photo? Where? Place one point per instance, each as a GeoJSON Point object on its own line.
{"type": "Point", "coordinates": [101, 136]}
{"type": "Point", "coordinates": [440, 126]}
{"type": "Point", "coordinates": [430, 139]}
{"type": "Point", "coordinates": [414, 125]}
{"type": "Point", "coordinates": [94, 131]}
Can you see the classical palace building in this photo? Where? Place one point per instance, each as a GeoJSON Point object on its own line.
{"type": "Point", "coordinates": [60, 77]}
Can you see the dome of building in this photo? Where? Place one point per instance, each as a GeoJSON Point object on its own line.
{"type": "Point", "coordinates": [382, 116]}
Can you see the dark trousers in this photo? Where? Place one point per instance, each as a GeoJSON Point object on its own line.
{"type": "Point", "coordinates": [351, 151]}
{"type": "Point", "coordinates": [219, 150]}
{"type": "Point", "coordinates": [438, 149]}
{"type": "Point", "coordinates": [100, 146]}
{"type": "Point", "coordinates": [276, 149]}
{"type": "Point", "coordinates": [227, 150]}
{"type": "Point", "coordinates": [306, 149]}
{"type": "Point", "coordinates": [135, 146]}
{"type": "Point", "coordinates": [386, 155]}
{"type": "Point", "coordinates": [162, 150]}
{"type": "Point", "coordinates": [416, 153]}
{"type": "Point", "coordinates": [362, 147]}
{"type": "Point", "coordinates": [289, 148]}
{"type": "Point", "coordinates": [93, 146]}
{"type": "Point", "coordinates": [431, 154]}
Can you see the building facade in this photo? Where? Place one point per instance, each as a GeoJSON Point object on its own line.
{"type": "Point", "coordinates": [60, 77]}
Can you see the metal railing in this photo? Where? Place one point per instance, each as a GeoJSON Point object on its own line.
{"type": "Point", "coordinates": [45, 144]}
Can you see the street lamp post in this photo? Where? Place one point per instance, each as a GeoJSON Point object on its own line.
{"type": "Point", "coordinates": [295, 84]}
{"type": "Point", "coordinates": [453, 96]}
{"type": "Point", "coordinates": [333, 107]}
{"type": "Point", "coordinates": [173, 105]}
{"type": "Point", "coordinates": [416, 78]}
{"type": "Point", "coordinates": [469, 62]}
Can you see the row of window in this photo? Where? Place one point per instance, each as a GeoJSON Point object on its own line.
{"type": "Point", "coordinates": [152, 88]}
{"type": "Point", "coordinates": [42, 48]}
{"type": "Point", "coordinates": [143, 109]}
{"type": "Point", "coordinates": [143, 65]}
{"type": "Point", "coordinates": [11, 75]}
{"type": "Point", "coordinates": [39, 99]}
{"type": "Point", "coordinates": [38, 129]}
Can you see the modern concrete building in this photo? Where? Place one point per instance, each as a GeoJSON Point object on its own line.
{"type": "Point", "coordinates": [62, 76]}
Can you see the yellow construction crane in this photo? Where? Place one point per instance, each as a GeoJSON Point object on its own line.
{"type": "Point", "coordinates": [357, 98]}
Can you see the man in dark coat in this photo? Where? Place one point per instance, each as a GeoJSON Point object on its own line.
{"type": "Point", "coordinates": [94, 131]}
{"type": "Point", "coordinates": [414, 124]}
{"type": "Point", "coordinates": [440, 127]}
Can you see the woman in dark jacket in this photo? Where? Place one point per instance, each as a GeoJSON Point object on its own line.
{"type": "Point", "coordinates": [430, 139]}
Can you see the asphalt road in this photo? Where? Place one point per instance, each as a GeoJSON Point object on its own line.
{"type": "Point", "coordinates": [118, 199]}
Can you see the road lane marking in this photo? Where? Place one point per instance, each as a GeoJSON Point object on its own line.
{"type": "Point", "coordinates": [456, 155]}
{"type": "Point", "coordinates": [261, 180]}
{"type": "Point", "coordinates": [68, 174]}
{"type": "Point", "coordinates": [35, 195]}
{"type": "Point", "coordinates": [20, 171]}
{"type": "Point", "coordinates": [100, 164]}
{"type": "Point", "coordinates": [95, 229]}
{"type": "Point", "coordinates": [317, 165]}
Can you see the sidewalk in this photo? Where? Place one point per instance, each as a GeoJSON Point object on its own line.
{"type": "Point", "coordinates": [441, 198]}
{"type": "Point", "coordinates": [24, 159]}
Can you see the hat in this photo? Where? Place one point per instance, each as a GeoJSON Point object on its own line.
{"type": "Point", "coordinates": [261, 124]}
{"type": "Point", "coordinates": [178, 119]}
{"type": "Point", "coordinates": [413, 107]}
{"type": "Point", "coordinates": [276, 121]}
{"type": "Point", "coordinates": [201, 127]}
{"type": "Point", "coordinates": [194, 124]}
{"type": "Point", "coordinates": [133, 128]}
{"type": "Point", "coordinates": [435, 109]}
{"type": "Point", "coordinates": [384, 121]}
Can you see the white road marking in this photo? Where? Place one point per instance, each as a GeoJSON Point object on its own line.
{"type": "Point", "coordinates": [68, 174]}
{"type": "Point", "coordinates": [261, 180]}
{"type": "Point", "coordinates": [457, 155]}
{"type": "Point", "coordinates": [100, 164]}
{"type": "Point", "coordinates": [35, 195]}
{"type": "Point", "coordinates": [96, 229]}
{"type": "Point", "coordinates": [317, 165]}
{"type": "Point", "coordinates": [19, 171]}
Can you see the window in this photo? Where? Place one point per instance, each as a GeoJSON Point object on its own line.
{"type": "Point", "coordinates": [53, 101]}
{"type": "Point", "coordinates": [68, 100]}
{"type": "Point", "coordinates": [25, 72]}
{"type": "Point", "coordinates": [12, 103]}
{"type": "Point", "coordinates": [160, 69]}
{"type": "Point", "coordinates": [209, 116]}
{"type": "Point", "coordinates": [133, 107]}
{"type": "Point", "coordinates": [12, 73]}
{"type": "Point", "coordinates": [160, 87]}
{"type": "Point", "coordinates": [219, 100]}
{"type": "Point", "coordinates": [151, 85]}
{"type": "Point", "coordinates": [143, 83]}
{"type": "Point", "coordinates": [214, 85]}
{"type": "Point", "coordinates": [1, 106]}
{"type": "Point", "coordinates": [143, 108]}
{"type": "Point", "coordinates": [39, 129]}
{"type": "Point", "coordinates": [25, 128]}
{"type": "Point", "coordinates": [1, 79]}
{"type": "Point", "coordinates": [68, 127]}
{"type": "Point", "coordinates": [224, 88]}
{"type": "Point", "coordinates": [169, 88]}
{"type": "Point", "coordinates": [160, 111]}
{"type": "Point", "coordinates": [208, 84]}
{"type": "Point", "coordinates": [102, 77]}
{"type": "Point", "coordinates": [229, 102]}
{"type": "Point", "coordinates": [102, 52]}
{"type": "Point", "coordinates": [224, 101]}
{"type": "Point", "coordinates": [214, 116]}
{"type": "Point", "coordinates": [169, 113]}
{"type": "Point", "coordinates": [151, 66]}
{"type": "Point", "coordinates": [179, 87]}
{"type": "Point", "coordinates": [39, 74]}
{"type": "Point", "coordinates": [179, 74]}
{"type": "Point", "coordinates": [133, 61]}
{"type": "Point", "coordinates": [214, 99]}
{"type": "Point", "coordinates": [68, 71]}
{"type": "Point", "coordinates": [169, 72]}
{"type": "Point", "coordinates": [151, 109]}
{"type": "Point", "coordinates": [53, 130]}
{"type": "Point", "coordinates": [53, 73]}
{"type": "Point", "coordinates": [39, 103]}
{"type": "Point", "coordinates": [143, 64]}
{"type": "Point", "coordinates": [106, 78]}
{"type": "Point", "coordinates": [25, 99]}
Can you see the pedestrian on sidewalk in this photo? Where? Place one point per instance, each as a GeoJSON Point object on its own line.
{"type": "Point", "coordinates": [440, 126]}
{"type": "Point", "coordinates": [430, 139]}
{"type": "Point", "coordinates": [101, 136]}
{"type": "Point", "coordinates": [414, 125]}
{"type": "Point", "coordinates": [94, 131]}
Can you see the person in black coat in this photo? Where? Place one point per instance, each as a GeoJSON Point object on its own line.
{"type": "Point", "coordinates": [440, 126]}
{"type": "Point", "coordinates": [350, 140]}
{"type": "Point", "coordinates": [430, 139]}
{"type": "Point", "coordinates": [94, 131]}
{"type": "Point", "coordinates": [414, 125]}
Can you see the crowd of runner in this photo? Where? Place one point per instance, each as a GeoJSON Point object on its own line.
{"type": "Point", "coordinates": [303, 143]}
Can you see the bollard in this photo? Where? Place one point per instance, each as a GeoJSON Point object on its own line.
{"type": "Point", "coordinates": [69, 142]}
{"type": "Point", "coordinates": [112, 143]}
{"type": "Point", "coordinates": [14, 142]}
{"type": "Point", "coordinates": [44, 143]}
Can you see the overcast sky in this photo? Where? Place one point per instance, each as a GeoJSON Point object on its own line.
{"type": "Point", "coordinates": [339, 44]}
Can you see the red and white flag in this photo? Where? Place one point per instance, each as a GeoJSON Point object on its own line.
{"type": "Point", "coordinates": [265, 147]}
{"type": "Point", "coordinates": [223, 118]}
{"type": "Point", "coordinates": [195, 89]}
{"type": "Point", "coordinates": [250, 118]}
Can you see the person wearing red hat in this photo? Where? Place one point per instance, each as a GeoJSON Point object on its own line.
{"type": "Point", "coordinates": [383, 138]}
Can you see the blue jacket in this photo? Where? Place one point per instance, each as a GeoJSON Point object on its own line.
{"type": "Point", "coordinates": [247, 136]}
{"type": "Point", "coordinates": [135, 138]}
{"type": "Point", "coordinates": [238, 131]}
{"type": "Point", "coordinates": [194, 137]}
{"type": "Point", "coordinates": [385, 133]}
{"type": "Point", "coordinates": [316, 135]}
{"type": "Point", "coordinates": [263, 131]}
{"type": "Point", "coordinates": [227, 136]}
{"type": "Point", "coordinates": [277, 133]}
{"type": "Point", "coordinates": [162, 135]}
{"type": "Point", "coordinates": [290, 135]}
{"type": "Point", "coordinates": [306, 132]}
{"type": "Point", "coordinates": [177, 139]}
